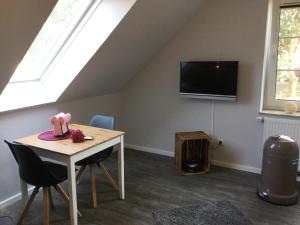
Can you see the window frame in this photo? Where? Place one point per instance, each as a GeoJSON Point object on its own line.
{"type": "Point", "coordinates": [58, 48]}
{"type": "Point", "coordinates": [269, 102]}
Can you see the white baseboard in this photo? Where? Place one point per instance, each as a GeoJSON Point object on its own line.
{"type": "Point", "coordinates": [214, 162]}
{"type": "Point", "coordinates": [236, 166]}
{"type": "Point", "coordinates": [11, 200]}
{"type": "Point", "coordinates": [150, 150]}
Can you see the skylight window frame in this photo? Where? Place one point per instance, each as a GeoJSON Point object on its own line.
{"type": "Point", "coordinates": [71, 38]}
{"type": "Point", "coordinates": [62, 47]}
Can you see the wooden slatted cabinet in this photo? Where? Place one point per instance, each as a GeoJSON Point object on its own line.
{"type": "Point", "coordinates": [192, 152]}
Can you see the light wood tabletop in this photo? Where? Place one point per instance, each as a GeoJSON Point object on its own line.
{"type": "Point", "coordinates": [67, 147]}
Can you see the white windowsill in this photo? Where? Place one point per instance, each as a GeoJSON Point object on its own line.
{"type": "Point", "coordinates": [279, 113]}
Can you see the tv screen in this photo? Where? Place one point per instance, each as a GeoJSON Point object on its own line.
{"type": "Point", "coordinates": [210, 79]}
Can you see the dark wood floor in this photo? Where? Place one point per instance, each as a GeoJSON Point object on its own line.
{"type": "Point", "coordinates": [152, 183]}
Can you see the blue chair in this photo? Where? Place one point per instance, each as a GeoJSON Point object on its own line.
{"type": "Point", "coordinates": [100, 121]}
{"type": "Point", "coordinates": [40, 174]}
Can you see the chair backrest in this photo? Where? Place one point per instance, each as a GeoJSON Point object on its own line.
{"type": "Point", "coordinates": [31, 168]}
{"type": "Point", "coordinates": [103, 121]}
{"type": "Point", "coordinates": [106, 122]}
{"type": "Point", "coordinates": [11, 149]}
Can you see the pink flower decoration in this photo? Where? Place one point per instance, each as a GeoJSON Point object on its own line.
{"type": "Point", "coordinates": [77, 136]}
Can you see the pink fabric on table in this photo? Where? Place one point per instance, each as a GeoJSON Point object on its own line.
{"type": "Point", "coordinates": [49, 136]}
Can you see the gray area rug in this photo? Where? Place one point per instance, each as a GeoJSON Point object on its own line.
{"type": "Point", "coordinates": [6, 220]}
{"type": "Point", "coordinates": [220, 213]}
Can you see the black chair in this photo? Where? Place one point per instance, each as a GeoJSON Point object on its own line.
{"type": "Point", "coordinates": [39, 173]}
{"type": "Point", "coordinates": [101, 121]}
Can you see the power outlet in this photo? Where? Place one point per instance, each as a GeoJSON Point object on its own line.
{"type": "Point", "coordinates": [220, 141]}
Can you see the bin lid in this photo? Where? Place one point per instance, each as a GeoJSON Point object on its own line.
{"type": "Point", "coordinates": [281, 144]}
{"type": "Point", "coordinates": [283, 138]}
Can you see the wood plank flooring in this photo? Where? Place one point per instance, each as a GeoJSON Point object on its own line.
{"type": "Point", "coordinates": [152, 183]}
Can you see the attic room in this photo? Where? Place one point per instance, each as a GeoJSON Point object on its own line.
{"type": "Point", "coordinates": [100, 125]}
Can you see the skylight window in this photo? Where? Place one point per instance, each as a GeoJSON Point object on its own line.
{"type": "Point", "coordinates": [55, 32]}
{"type": "Point", "coordinates": [72, 34]}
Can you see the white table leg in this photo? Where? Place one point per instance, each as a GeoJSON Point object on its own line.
{"type": "Point", "coordinates": [121, 168]}
{"type": "Point", "coordinates": [72, 191]}
{"type": "Point", "coordinates": [24, 191]}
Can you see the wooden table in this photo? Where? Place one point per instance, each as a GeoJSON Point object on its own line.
{"type": "Point", "coordinates": [68, 152]}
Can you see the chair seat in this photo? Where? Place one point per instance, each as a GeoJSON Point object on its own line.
{"type": "Point", "coordinates": [98, 157]}
{"type": "Point", "coordinates": [60, 172]}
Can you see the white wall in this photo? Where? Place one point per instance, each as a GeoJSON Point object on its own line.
{"type": "Point", "coordinates": [153, 109]}
{"type": "Point", "coordinates": [25, 122]}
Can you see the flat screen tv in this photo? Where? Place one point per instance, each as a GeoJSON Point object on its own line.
{"type": "Point", "coordinates": [209, 79]}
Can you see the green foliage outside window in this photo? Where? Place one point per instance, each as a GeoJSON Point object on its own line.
{"type": "Point", "coordinates": [289, 44]}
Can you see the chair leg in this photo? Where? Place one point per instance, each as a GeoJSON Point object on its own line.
{"type": "Point", "coordinates": [51, 199]}
{"type": "Point", "coordinates": [79, 173]}
{"type": "Point", "coordinates": [27, 206]}
{"type": "Point", "coordinates": [108, 176]}
{"type": "Point", "coordinates": [64, 196]}
{"type": "Point", "coordinates": [46, 205]}
{"type": "Point", "coordinates": [93, 185]}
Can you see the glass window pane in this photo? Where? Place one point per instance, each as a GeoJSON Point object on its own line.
{"type": "Point", "coordinates": [289, 54]}
{"type": "Point", "coordinates": [49, 40]}
{"type": "Point", "coordinates": [289, 22]}
{"type": "Point", "coordinates": [288, 85]}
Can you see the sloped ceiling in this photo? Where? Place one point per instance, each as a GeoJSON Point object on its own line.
{"type": "Point", "coordinates": [147, 27]}
{"type": "Point", "coordinates": [20, 22]}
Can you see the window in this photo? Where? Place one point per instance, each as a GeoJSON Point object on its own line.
{"type": "Point", "coordinates": [282, 55]}
{"type": "Point", "coordinates": [288, 59]}
{"type": "Point", "coordinates": [72, 34]}
{"type": "Point", "coordinates": [51, 38]}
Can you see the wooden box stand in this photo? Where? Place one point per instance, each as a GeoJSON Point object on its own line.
{"type": "Point", "coordinates": [192, 152]}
